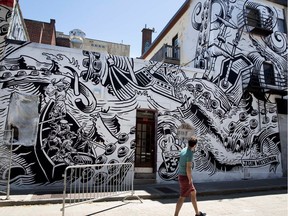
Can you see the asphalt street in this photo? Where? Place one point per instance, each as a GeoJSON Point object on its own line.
{"type": "Point", "coordinates": [265, 203]}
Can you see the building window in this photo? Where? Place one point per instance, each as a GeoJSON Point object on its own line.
{"type": "Point", "coordinates": [281, 25]}
{"type": "Point", "coordinates": [269, 73]}
{"type": "Point", "coordinates": [175, 45]}
{"type": "Point", "coordinates": [175, 41]}
{"type": "Point", "coordinates": [98, 45]}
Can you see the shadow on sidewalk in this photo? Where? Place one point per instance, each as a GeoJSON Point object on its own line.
{"type": "Point", "coordinates": [170, 200]}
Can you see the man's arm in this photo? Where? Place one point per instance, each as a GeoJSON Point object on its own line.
{"type": "Point", "coordinates": [189, 171]}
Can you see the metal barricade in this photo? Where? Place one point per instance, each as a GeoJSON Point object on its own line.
{"type": "Point", "coordinates": [87, 183]}
{"type": "Point", "coordinates": [6, 160]}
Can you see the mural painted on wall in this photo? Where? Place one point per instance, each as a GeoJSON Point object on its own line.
{"type": "Point", "coordinates": [6, 12]}
{"type": "Point", "coordinates": [231, 53]}
{"type": "Point", "coordinates": [78, 107]}
{"type": "Point", "coordinates": [230, 50]}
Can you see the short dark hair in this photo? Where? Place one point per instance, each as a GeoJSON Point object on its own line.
{"type": "Point", "coordinates": [192, 141]}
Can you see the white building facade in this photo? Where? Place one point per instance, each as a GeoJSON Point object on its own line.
{"type": "Point", "coordinates": [70, 106]}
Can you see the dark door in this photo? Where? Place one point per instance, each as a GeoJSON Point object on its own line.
{"type": "Point", "coordinates": [145, 138]}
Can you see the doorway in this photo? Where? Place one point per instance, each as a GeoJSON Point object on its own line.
{"type": "Point", "coordinates": [145, 152]}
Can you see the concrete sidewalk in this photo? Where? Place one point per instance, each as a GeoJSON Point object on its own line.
{"type": "Point", "coordinates": [157, 191]}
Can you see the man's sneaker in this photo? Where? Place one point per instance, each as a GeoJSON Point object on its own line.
{"type": "Point", "coordinates": [201, 214]}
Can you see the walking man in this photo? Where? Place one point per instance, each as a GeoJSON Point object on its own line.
{"type": "Point", "coordinates": [187, 188]}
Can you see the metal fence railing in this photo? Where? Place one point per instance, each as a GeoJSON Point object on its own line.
{"type": "Point", "coordinates": [87, 183]}
{"type": "Point", "coordinates": [6, 159]}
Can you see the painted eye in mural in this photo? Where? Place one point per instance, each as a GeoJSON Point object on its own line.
{"type": "Point", "coordinates": [15, 67]}
{"type": "Point", "coordinates": [100, 160]}
{"type": "Point", "coordinates": [253, 123]}
{"type": "Point", "coordinates": [190, 87]}
{"type": "Point", "coordinates": [207, 95]}
{"type": "Point", "coordinates": [6, 75]}
{"type": "Point", "coordinates": [86, 62]}
{"type": "Point", "coordinates": [254, 112]}
{"type": "Point", "coordinates": [215, 104]}
{"type": "Point", "coordinates": [205, 25]}
{"type": "Point", "coordinates": [240, 145]}
{"type": "Point", "coordinates": [228, 142]}
{"type": "Point", "coordinates": [87, 174]}
{"type": "Point", "coordinates": [133, 130]}
{"type": "Point", "coordinates": [199, 87]}
{"type": "Point", "coordinates": [272, 110]}
{"type": "Point", "coordinates": [200, 39]}
{"type": "Point", "coordinates": [21, 74]}
{"type": "Point", "coordinates": [202, 16]}
{"type": "Point", "coordinates": [220, 113]}
{"type": "Point", "coordinates": [203, 153]}
{"type": "Point", "coordinates": [132, 144]}
{"type": "Point", "coordinates": [97, 65]}
{"type": "Point", "coordinates": [34, 73]}
{"type": "Point", "coordinates": [4, 29]}
{"type": "Point", "coordinates": [198, 52]}
{"type": "Point", "coordinates": [85, 53]}
{"type": "Point", "coordinates": [84, 74]}
{"type": "Point", "coordinates": [122, 138]}
{"type": "Point", "coordinates": [243, 116]}
{"type": "Point", "coordinates": [245, 132]}
{"type": "Point", "coordinates": [110, 149]}
{"type": "Point", "coordinates": [123, 151]}
{"type": "Point", "coordinates": [112, 169]}
{"type": "Point", "coordinates": [96, 54]}
{"type": "Point", "coordinates": [274, 118]}
{"type": "Point", "coordinates": [206, 14]}
{"type": "Point", "coordinates": [100, 178]}
{"type": "Point", "coordinates": [8, 15]}
{"type": "Point", "coordinates": [200, 29]}
{"type": "Point", "coordinates": [263, 112]}
{"type": "Point", "coordinates": [205, 37]}
{"type": "Point", "coordinates": [266, 120]}
{"type": "Point", "coordinates": [232, 126]}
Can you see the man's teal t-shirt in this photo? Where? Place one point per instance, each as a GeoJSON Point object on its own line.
{"type": "Point", "coordinates": [186, 155]}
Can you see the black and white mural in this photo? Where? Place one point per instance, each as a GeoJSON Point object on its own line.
{"type": "Point", "coordinates": [235, 60]}
{"type": "Point", "coordinates": [70, 107]}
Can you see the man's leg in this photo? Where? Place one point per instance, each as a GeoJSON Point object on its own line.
{"type": "Point", "coordinates": [179, 205]}
{"type": "Point", "coordinates": [194, 201]}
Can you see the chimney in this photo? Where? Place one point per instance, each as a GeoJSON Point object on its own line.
{"type": "Point", "coordinates": [146, 39]}
{"type": "Point", "coordinates": [52, 21]}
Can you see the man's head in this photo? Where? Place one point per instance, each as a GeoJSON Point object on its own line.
{"type": "Point", "coordinates": [192, 142]}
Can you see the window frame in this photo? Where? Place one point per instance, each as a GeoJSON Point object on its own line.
{"type": "Point", "coordinates": [269, 73]}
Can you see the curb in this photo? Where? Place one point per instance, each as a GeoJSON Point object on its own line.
{"type": "Point", "coordinates": [146, 196]}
